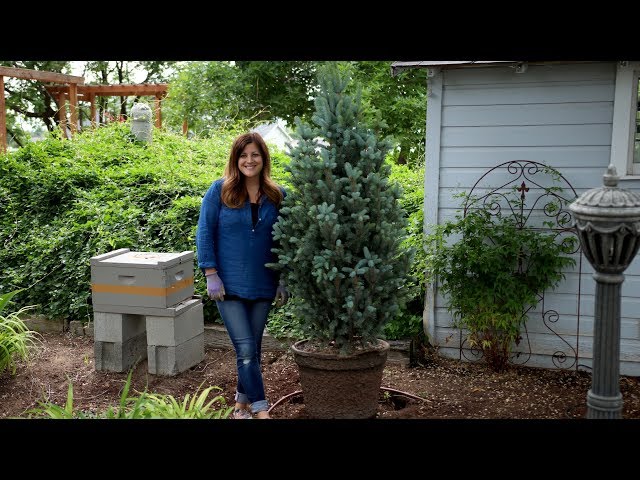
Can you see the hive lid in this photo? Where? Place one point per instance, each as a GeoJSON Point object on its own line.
{"type": "Point", "coordinates": [126, 258]}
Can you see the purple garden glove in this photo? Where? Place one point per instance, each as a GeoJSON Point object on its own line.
{"type": "Point", "coordinates": [282, 294]}
{"type": "Point", "coordinates": [215, 288]}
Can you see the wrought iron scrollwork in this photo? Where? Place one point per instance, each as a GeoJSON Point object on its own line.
{"type": "Point", "coordinates": [527, 178]}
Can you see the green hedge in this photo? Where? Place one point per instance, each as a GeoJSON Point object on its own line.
{"type": "Point", "coordinates": [65, 201]}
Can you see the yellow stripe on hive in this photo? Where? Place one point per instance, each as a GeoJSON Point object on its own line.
{"type": "Point", "coordinates": [139, 290]}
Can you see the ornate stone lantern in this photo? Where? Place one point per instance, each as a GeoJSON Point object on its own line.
{"type": "Point", "coordinates": [607, 220]}
{"type": "Point", "coordinates": [141, 122]}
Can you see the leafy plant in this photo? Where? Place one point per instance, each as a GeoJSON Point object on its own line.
{"type": "Point", "coordinates": [197, 405]}
{"type": "Point", "coordinates": [407, 323]}
{"type": "Point", "coordinates": [493, 269]}
{"type": "Point", "coordinates": [341, 226]}
{"type": "Point", "coordinates": [16, 339]}
{"type": "Point", "coordinates": [145, 405]}
{"type": "Point", "coordinates": [100, 191]}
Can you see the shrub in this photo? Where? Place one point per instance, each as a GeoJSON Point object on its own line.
{"type": "Point", "coordinates": [341, 226]}
{"type": "Point", "coordinates": [492, 270]}
{"type": "Point", "coordinates": [64, 201]}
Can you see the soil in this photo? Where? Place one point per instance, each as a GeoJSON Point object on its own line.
{"type": "Point", "coordinates": [437, 388]}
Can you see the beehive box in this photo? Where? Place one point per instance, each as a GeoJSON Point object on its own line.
{"type": "Point", "coordinates": [130, 282]}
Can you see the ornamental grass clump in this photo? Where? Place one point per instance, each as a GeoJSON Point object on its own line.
{"type": "Point", "coordinates": [341, 227]}
{"type": "Point", "coordinates": [144, 405]}
{"type": "Point", "coordinates": [16, 339]}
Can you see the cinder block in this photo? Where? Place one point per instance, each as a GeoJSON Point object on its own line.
{"type": "Point", "coordinates": [120, 356]}
{"type": "Point", "coordinates": [174, 331]}
{"type": "Point", "coordinates": [76, 328]}
{"type": "Point", "coordinates": [169, 361]}
{"type": "Point", "coordinates": [88, 329]}
{"type": "Point", "coordinates": [117, 327]}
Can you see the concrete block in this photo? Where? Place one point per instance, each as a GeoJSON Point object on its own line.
{"type": "Point", "coordinates": [41, 324]}
{"type": "Point", "coordinates": [88, 329]}
{"type": "Point", "coordinates": [173, 331]}
{"type": "Point", "coordinates": [169, 361]}
{"type": "Point", "coordinates": [117, 327]}
{"type": "Point", "coordinates": [76, 328]}
{"type": "Point", "coordinates": [216, 336]}
{"type": "Point", "coordinates": [120, 356]}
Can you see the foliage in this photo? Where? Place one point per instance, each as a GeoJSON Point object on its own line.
{"type": "Point", "coordinates": [280, 89]}
{"type": "Point", "coordinates": [29, 100]}
{"type": "Point", "coordinates": [16, 340]}
{"type": "Point", "coordinates": [214, 95]}
{"type": "Point", "coordinates": [407, 323]}
{"type": "Point", "coordinates": [144, 405]}
{"type": "Point", "coordinates": [65, 201]}
{"type": "Point", "coordinates": [493, 269]}
{"type": "Point", "coordinates": [209, 95]}
{"type": "Point", "coordinates": [395, 106]}
{"type": "Point", "coordinates": [283, 324]}
{"type": "Point", "coordinates": [341, 225]}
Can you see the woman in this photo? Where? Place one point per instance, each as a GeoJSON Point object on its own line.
{"type": "Point", "coordinates": [234, 241]}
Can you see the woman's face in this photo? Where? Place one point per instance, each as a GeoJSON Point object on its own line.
{"type": "Point", "coordinates": [250, 161]}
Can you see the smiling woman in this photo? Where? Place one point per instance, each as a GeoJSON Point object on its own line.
{"type": "Point", "coordinates": [234, 241]}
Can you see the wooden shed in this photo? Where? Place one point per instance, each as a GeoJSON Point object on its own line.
{"type": "Point", "coordinates": [492, 123]}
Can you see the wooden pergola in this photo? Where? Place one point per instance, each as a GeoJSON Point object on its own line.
{"type": "Point", "coordinates": [72, 88]}
{"type": "Point", "coordinates": [71, 84]}
{"type": "Point", "coordinates": [90, 92]}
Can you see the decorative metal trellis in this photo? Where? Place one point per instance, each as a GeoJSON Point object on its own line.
{"type": "Point", "coordinates": [553, 200]}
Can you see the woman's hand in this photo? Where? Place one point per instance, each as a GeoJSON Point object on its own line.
{"type": "Point", "coordinates": [215, 288]}
{"type": "Point", "coordinates": [282, 294]}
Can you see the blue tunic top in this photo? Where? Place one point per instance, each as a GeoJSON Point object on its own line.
{"type": "Point", "coordinates": [227, 241]}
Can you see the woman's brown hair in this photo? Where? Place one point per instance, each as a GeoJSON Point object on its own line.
{"type": "Point", "coordinates": [234, 192]}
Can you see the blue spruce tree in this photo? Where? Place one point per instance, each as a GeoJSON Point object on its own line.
{"type": "Point", "coordinates": [341, 225]}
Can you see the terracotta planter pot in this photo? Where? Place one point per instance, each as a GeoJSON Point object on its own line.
{"type": "Point", "coordinates": [341, 386]}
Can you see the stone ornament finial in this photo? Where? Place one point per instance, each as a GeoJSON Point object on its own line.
{"type": "Point", "coordinates": [610, 179]}
{"type": "Point", "coordinates": [609, 200]}
{"type": "Point", "coordinates": [607, 221]}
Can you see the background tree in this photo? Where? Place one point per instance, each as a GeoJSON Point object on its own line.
{"type": "Point", "coordinates": [208, 95]}
{"type": "Point", "coordinates": [28, 102]}
{"type": "Point", "coordinates": [211, 94]}
{"type": "Point", "coordinates": [281, 89]}
{"type": "Point", "coordinates": [395, 106]}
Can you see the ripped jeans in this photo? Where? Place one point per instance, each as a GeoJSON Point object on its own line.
{"type": "Point", "coordinates": [245, 321]}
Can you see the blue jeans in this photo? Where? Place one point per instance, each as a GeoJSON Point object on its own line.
{"type": "Point", "coordinates": [245, 321]}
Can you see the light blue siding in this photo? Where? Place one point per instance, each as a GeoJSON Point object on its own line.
{"type": "Point", "coordinates": [487, 157]}
{"type": "Point", "coordinates": [533, 136]}
{"type": "Point", "coordinates": [560, 115]}
{"type": "Point", "coordinates": [534, 114]}
{"type": "Point", "coordinates": [578, 92]}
